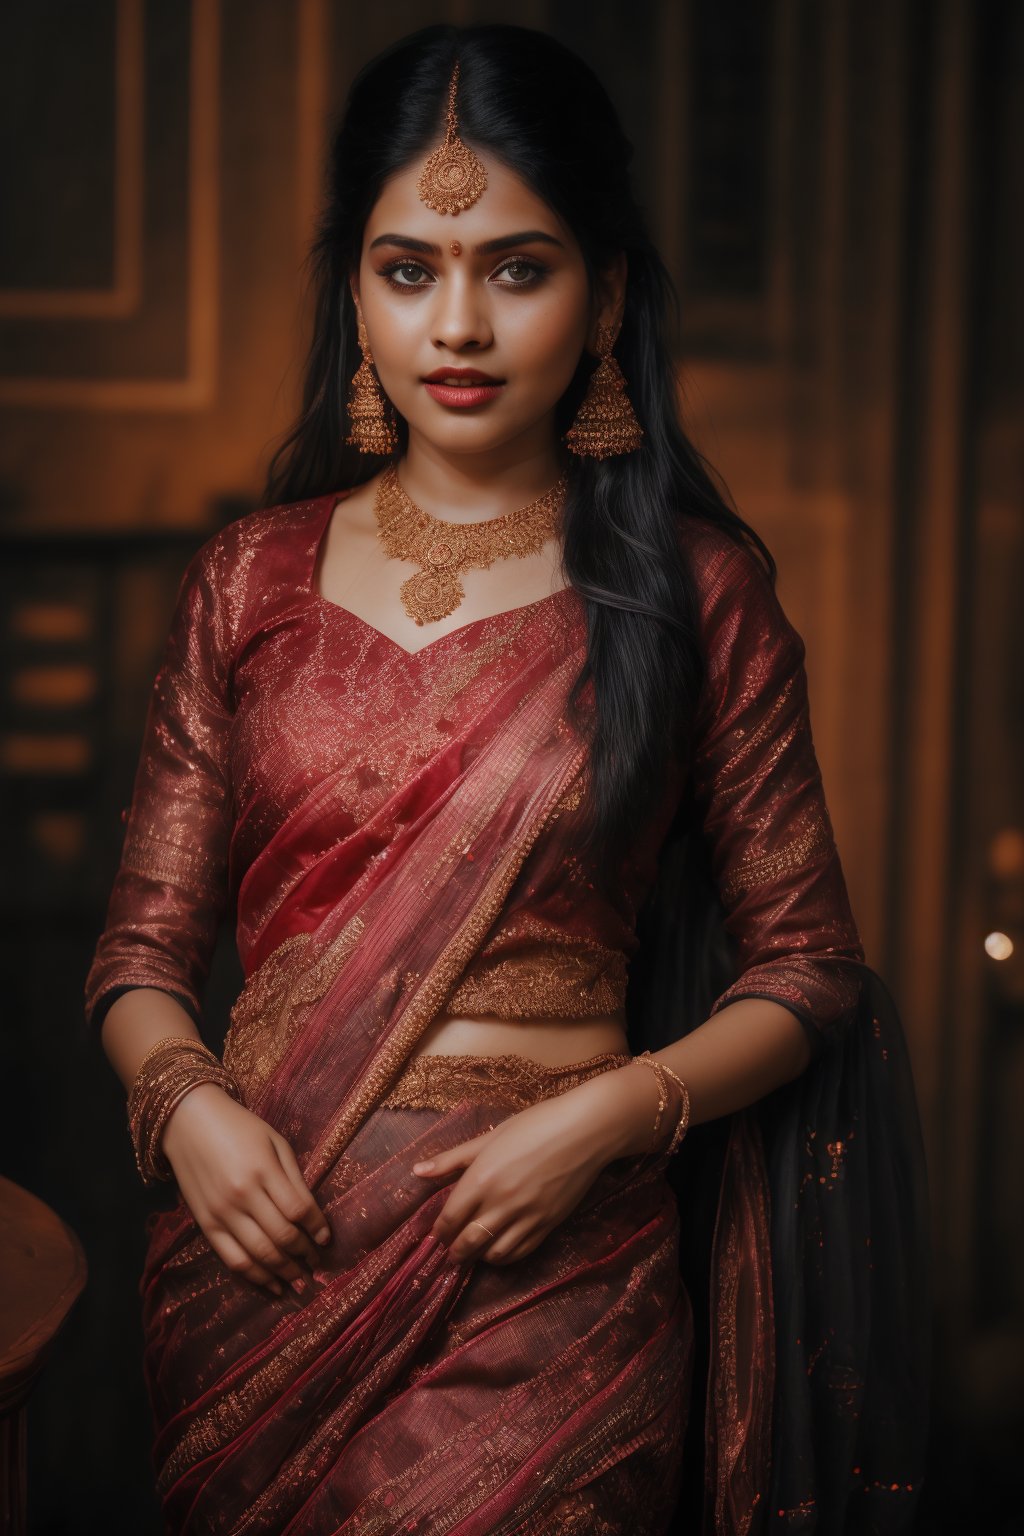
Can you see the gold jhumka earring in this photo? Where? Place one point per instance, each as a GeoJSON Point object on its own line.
{"type": "Point", "coordinates": [605, 424]}
{"type": "Point", "coordinates": [373, 426]}
{"type": "Point", "coordinates": [453, 177]}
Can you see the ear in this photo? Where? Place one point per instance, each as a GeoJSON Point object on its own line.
{"type": "Point", "coordinates": [609, 297]}
{"type": "Point", "coordinates": [353, 283]}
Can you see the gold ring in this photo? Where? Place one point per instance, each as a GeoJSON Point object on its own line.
{"type": "Point", "coordinates": [476, 1223]}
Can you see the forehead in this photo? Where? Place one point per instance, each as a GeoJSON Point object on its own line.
{"type": "Point", "coordinates": [507, 203]}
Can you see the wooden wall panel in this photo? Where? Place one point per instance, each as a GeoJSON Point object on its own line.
{"type": "Point", "coordinates": [833, 187]}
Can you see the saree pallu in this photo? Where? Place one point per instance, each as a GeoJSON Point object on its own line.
{"type": "Point", "coordinates": [408, 1393]}
{"type": "Point", "coordinates": [804, 1250]}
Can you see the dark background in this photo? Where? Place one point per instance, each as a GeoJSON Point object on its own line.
{"type": "Point", "coordinates": [833, 185]}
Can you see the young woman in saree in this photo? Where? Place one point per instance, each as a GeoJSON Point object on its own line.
{"type": "Point", "coordinates": [492, 729]}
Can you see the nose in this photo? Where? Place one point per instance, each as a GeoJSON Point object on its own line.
{"type": "Point", "coordinates": [460, 319]}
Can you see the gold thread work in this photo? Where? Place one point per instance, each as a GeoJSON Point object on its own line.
{"type": "Point", "coordinates": [443, 1082]}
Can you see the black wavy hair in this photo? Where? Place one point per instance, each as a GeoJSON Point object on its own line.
{"type": "Point", "coordinates": [533, 104]}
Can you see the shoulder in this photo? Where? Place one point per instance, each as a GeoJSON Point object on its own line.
{"type": "Point", "coordinates": [265, 535]}
{"type": "Point", "coordinates": [723, 566]}
{"type": "Point", "coordinates": [742, 621]}
{"type": "Point", "coordinates": [264, 556]}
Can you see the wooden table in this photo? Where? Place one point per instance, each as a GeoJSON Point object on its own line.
{"type": "Point", "coordinates": [42, 1271]}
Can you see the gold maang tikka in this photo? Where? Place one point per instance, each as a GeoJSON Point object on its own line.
{"type": "Point", "coordinates": [453, 177]}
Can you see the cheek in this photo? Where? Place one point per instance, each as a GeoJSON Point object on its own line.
{"type": "Point", "coordinates": [545, 342]}
{"type": "Point", "coordinates": [395, 326]}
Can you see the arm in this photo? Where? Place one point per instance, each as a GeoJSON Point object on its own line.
{"type": "Point", "coordinates": [238, 1176]}
{"type": "Point", "coordinates": [758, 791]}
{"type": "Point", "coordinates": [171, 886]}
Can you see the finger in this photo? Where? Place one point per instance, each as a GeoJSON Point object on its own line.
{"type": "Point", "coordinates": [478, 1235]}
{"type": "Point", "coordinates": [309, 1215]}
{"type": "Point", "coordinates": [462, 1204]}
{"type": "Point", "coordinates": [514, 1244]}
{"type": "Point", "coordinates": [262, 1249]}
{"type": "Point", "coordinates": [289, 1239]}
{"type": "Point", "coordinates": [234, 1257]}
{"type": "Point", "coordinates": [452, 1157]}
{"type": "Point", "coordinates": [289, 1208]}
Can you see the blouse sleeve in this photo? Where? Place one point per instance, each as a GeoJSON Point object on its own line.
{"type": "Point", "coordinates": [758, 790]}
{"type": "Point", "coordinates": [171, 886]}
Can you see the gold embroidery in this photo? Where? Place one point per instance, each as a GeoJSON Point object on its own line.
{"type": "Point", "coordinates": [253, 1046]}
{"type": "Point", "coordinates": [443, 1082]}
{"type": "Point", "coordinates": [265, 1016]}
{"type": "Point", "coordinates": [191, 869]}
{"type": "Point", "coordinates": [747, 743]}
{"type": "Point", "coordinates": [573, 797]}
{"type": "Point", "coordinates": [555, 980]}
{"type": "Point", "coordinates": [814, 839]}
{"type": "Point", "coordinates": [825, 992]}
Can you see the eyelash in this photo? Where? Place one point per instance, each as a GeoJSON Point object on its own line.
{"type": "Point", "coordinates": [537, 271]}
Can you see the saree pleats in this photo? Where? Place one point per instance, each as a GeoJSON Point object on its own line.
{"type": "Point", "coordinates": [410, 1393]}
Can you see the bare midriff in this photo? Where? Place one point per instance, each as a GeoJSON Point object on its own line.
{"type": "Point", "coordinates": [555, 1042]}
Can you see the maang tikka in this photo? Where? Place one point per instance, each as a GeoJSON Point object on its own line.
{"type": "Point", "coordinates": [453, 177]}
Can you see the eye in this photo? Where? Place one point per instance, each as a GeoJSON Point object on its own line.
{"type": "Point", "coordinates": [533, 269]}
{"type": "Point", "coordinates": [401, 266]}
{"type": "Point", "coordinates": [532, 272]}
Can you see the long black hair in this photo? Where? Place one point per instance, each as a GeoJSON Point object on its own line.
{"type": "Point", "coordinates": [534, 105]}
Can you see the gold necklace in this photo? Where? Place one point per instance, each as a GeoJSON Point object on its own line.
{"type": "Point", "coordinates": [444, 549]}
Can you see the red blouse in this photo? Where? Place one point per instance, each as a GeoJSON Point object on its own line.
{"type": "Point", "coordinates": [271, 701]}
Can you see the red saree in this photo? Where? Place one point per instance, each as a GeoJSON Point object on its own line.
{"type": "Point", "coordinates": [398, 832]}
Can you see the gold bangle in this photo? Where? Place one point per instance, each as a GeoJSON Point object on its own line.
{"type": "Point", "coordinates": [167, 1072]}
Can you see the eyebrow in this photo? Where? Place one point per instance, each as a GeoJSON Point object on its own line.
{"type": "Point", "coordinates": [486, 248]}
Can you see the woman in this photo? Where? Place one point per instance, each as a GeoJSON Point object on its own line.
{"type": "Point", "coordinates": [470, 740]}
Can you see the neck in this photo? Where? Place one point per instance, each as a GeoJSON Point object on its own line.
{"type": "Point", "coordinates": [468, 487]}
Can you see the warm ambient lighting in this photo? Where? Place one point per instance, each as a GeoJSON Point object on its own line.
{"type": "Point", "coordinates": [998, 946]}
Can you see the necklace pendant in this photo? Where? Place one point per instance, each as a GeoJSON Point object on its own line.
{"type": "Point", "coordinates": [431, 595]}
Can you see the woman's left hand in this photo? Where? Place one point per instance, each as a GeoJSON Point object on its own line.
{"type": "Point", "coordinates": [523, 1177]}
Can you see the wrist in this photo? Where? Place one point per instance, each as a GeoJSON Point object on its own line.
{"type": "Point", "coordinates": [169, 1072]}
{"type": "Point", "coordinates": [624, 1106]}
{"type": "Point", "coordinates": [199, 1097]}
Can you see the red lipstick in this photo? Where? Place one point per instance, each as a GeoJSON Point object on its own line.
{"type": "Point", "coordinates": [477, 388]}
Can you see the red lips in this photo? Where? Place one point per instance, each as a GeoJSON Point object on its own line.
{"type": "Point", "coordinates": [473, 374]}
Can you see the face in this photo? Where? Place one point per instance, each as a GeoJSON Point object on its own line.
{"type": "Point", "coordinates": [517, 309]}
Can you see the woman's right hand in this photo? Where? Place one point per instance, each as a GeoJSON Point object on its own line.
{"type": "Point", "coordinates": [242, 1183]}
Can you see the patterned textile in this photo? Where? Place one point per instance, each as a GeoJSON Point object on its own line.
{"type": "Point", "coordinates": [397, 832]}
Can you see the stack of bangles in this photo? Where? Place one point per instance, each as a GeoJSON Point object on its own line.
{"type": "Point", "coordinates": [663, 1072]}
{"type": "Point", "coordinates": [166, 1074]}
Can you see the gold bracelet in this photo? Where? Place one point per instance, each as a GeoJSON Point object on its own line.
{"type": "Point", "coordinates": [684, 1114]}
{"type": "Point", "coordinates": [167, 1072]}
{"type": "Point", "coordinates": [661, 1071]}
{"type": "Point", "coordinates": [645, 1059]}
